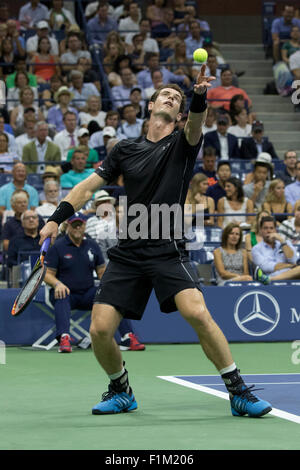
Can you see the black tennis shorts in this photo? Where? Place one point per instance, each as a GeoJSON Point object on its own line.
{"type": "Point", "coordinates": [131, 274]}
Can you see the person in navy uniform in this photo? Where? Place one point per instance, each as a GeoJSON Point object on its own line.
{"type": "Point", "coordinates": [71, 262]}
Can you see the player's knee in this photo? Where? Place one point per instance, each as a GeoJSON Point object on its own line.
{"type": "Point", "coordinates": [99, 329]}
{"type": "Point", "coordinates": [198, 315]}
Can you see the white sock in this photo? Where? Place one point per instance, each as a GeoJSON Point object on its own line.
{"type": "Point", "coordinates": [117, 375]}
{"type": "Point", "coordinates": [228, 369]}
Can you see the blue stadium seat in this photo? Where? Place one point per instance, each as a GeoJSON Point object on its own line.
{"type": "Point", "coordinates": [101, 152]}
{"type": "Point", "coordinates": [238, 166]}
{"type": "Point", "coordinates": [5, 178]}
{"type": "Point", "coordinates": [28, 33]}
{"type": "Point", "coordinates": [35, 180]}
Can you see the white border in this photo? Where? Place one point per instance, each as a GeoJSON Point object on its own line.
{"type": "Point", "coordinates": [202, 388]}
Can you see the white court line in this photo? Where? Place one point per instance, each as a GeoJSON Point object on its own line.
{"type": "Point", "coordinates": [201, 388]}
{"type": "Point", "coordinates": [256, 383]}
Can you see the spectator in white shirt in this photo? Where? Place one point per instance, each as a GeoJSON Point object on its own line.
{"type": "Point", "coordinates": [68, 138]}
{"type": "Point", "coordinates": [122, 10]}
{"type": "Point", "coordinates": [274, 256]}
{"type": "Point", "coordinates": [242, 128]}
{"type": "Point", "coordinates": [100, 139]}
{"type": "Point", "coordinates": [112, 120]}
{"type": "Point", "coordinates": [42, 31]}
{"type": "Point", "coordinates": [60, 17]}
{"type": "Point", "coordinates": [51, 190]}
{"type": "Point", "coordinates": [93, 112]}
{"type": "Point", "coordinates": [131, 22]}
{"type": "Point", "coordinates": [149, 44]}
{"type": "Point", "coordinates": [28, 136]}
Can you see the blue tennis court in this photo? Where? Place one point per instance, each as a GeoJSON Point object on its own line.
{"type": "Point", "coordinates": [281, 390]}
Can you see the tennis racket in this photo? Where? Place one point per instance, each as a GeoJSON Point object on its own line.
{"type": "Point", "coordinates": [32, 284]}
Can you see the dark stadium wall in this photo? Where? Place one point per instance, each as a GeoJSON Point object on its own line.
{"type": "Point", "coordinates": [230, 7]}
{"type": "Point", "coordinates": [227, 20]}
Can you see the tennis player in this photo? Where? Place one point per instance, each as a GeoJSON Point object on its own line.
{"type": "Point", "coordinates": [156, 170]}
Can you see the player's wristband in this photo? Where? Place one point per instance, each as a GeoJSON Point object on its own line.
{"type": "Point", "coordinates": [64, 211]}
{"type": "Point", "coordinates": [198, 103]}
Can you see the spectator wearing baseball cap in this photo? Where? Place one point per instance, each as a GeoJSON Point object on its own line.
{"type": "Point", "coordinates": [258, 188]}
{"type": "Point", "coordinates": [99, 139]}
{"type": "Point", "coordinates": [252, 146]}
{"type": "Point", "coordinates": [92, 154]}
{"type": "Point", "coordinates": [42, 31]}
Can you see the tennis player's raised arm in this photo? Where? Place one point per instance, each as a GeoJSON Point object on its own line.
{"type": "Point", "coordinates": [197, 114]}
{"type": "Point", "coordinates": [74, 201]}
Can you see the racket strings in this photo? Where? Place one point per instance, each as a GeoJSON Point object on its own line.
{"type": "Point", "coordinates": [29, 286]}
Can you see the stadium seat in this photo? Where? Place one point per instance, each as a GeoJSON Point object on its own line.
{"type": "Point", "coordinates": [35, 180]}
{"type": "Point", "coordinates": [5, 178]}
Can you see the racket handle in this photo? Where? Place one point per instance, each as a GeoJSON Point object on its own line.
{"type": "Point", "coordinates": [45, 245]}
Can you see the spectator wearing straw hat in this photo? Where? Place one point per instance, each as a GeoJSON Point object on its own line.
{"type": "Point", "coordinates": [55, 118]}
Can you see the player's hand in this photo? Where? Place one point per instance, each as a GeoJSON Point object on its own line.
{"type": "Point", "coordinates": [49, 230]}
{"type": "Point", "coordinates": [61, 291]}
{"type": "Point", "coordinates": [202, 82]}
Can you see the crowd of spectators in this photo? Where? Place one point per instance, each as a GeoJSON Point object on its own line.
{"type": "Point", "coordinates": [59, 123]}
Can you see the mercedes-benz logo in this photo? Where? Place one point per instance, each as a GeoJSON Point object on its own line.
{"type": "Point", "coordinates": [257, 313]}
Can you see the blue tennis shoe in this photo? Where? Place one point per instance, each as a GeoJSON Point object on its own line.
{"type": "Point", "coordinates": [247, 403]}
{"type": "Point", "coordinates": [115, 402]}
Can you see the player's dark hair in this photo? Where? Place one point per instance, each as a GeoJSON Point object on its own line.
{"type": "Point", "coordinates": [225, 70]}
{"type": "Point", "coordinates": [209, 152]}
{"type": "Point", "coordinates": [222, 163]}
{"type": "Point", "coordinates": [173, 86]}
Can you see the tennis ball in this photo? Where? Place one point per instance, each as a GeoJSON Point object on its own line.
{"type": "Point", "coordinates": [200, 55]}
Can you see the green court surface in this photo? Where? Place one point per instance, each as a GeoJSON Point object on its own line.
{"type": "Point", "coordinates": [46, 401]}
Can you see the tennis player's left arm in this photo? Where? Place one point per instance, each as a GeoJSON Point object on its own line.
{"type": "Point", "coordinates": [195, 120]}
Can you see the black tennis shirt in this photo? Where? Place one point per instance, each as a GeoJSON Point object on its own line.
{"type": "Point", "coordinates": [155, 173]}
